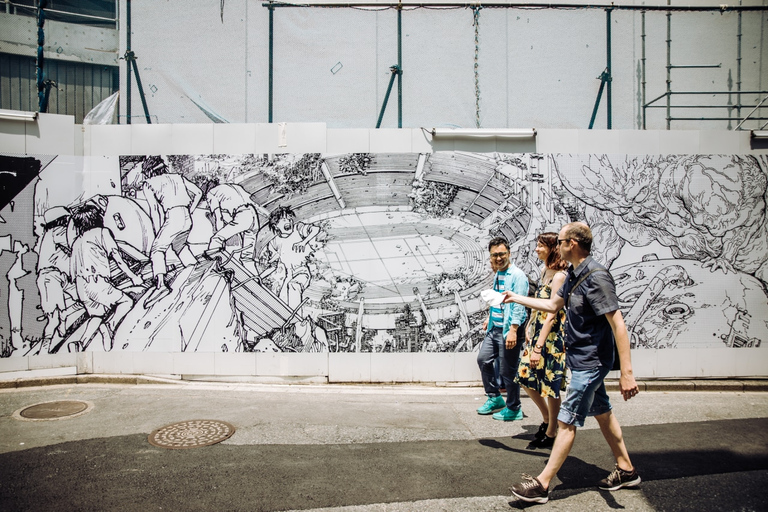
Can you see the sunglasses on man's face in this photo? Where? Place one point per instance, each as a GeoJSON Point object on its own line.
{"type": "Point", "coordinates": [498, 255]}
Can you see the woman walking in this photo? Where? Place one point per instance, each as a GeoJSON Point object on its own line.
{"type": "Point", "coordinates": [542, 366]}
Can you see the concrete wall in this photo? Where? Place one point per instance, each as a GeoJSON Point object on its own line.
{"type": "Point", "coordinates": [59, 136]}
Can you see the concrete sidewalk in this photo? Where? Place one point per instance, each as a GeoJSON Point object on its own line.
{"type": "Point", "coordinates": [368, 448]}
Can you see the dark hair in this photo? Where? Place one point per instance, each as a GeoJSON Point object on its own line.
{"type": "Point", "coordinates": [281, 212]}
{"type": "Point", "coordinates": [499, 240]}
{"type": "Point", "coordinates": [154, 166]}
{"type": "Point", "coordinates": [61, 221]}
{"type": "Point", "coordinates": [554, 262]}
{"type": "Point", "coordinates": [87, 217]}
{"type": "Point", "coordinates": [581, 233]}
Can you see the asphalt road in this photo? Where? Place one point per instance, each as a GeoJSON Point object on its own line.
{"type": "Point", "coordinates": [368, 448]}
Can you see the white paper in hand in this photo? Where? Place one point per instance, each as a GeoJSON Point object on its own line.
{"type": "Point", "coordinates": [492, 297]}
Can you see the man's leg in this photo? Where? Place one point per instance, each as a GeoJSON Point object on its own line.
{"type": "Point", "coordinates": [489, 352]}
{"type": "Point", "coordinates": [486, 358]}
{"type": "Point", "coordinates": [611, 430]}
{"type": "Point", "coordinates": [509, 364]}
{"type": "Point", "coordinates": [122, 308]}
{"type": "Point", "coordinates": [510, 360]}
{"type": "Point", "coordinates": [563, 444]}
{"type": "Point", "coordinates": [575, 408]}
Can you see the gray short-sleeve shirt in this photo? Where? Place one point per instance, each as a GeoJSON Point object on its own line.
{"type": "Point", "coordinates": [588, 336]}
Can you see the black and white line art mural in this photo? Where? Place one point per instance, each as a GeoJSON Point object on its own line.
{"type": "Point", "coordinates": [366, 252]}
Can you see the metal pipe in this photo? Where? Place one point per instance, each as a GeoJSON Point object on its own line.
{"type": "Point", "coordinates": [738, 69]}
{"type": "Point", "coordinates": [127, 62]}
{"type": "Point", "coordinates": [78, 15]}
{"type": "Point", "coordinates": [696, 106]}
{"type": "Point", "coordinates": [597, 101]}
{"type": "Point", "coordinates": [527, 5]}
{"type": "Point", "coordinates": [271, 56]}
{"type": "Point", "coordinates": [696, 66]}
{"type": "Point", "coordinates": [608, 67]}
{"type": "Point", "coordinates": [399, 67]}
{"type": "Point", "coordinates": [714, 118]}
{"type": "Point", "coordinates": [132, 58]}
{"type": "Point", "coordinates": [711, 92]}
{"type": "Point", "coordinates": [394, 71]}
{"type": "Point", "coordinates": [245, 62]}
{"type": "Point", "coordinates": [41, 96]}
{"type": "Point", "coordinates": [669, 66]}
{"type": "Point", "coordinates": [751, 112]}
{"type": "Point", "coordinates": [642, 84]}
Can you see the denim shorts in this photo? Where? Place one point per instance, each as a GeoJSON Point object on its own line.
{"type": "Point", "coordinates": [586, 396]}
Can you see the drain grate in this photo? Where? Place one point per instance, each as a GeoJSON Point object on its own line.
{"type": "Point", "coordinates": [54, 410]}
{"type": "Point", "coordinates": [191, 434]}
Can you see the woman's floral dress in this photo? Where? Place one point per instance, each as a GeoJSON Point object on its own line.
{"type": "Point", "coordinates": [548, 378]}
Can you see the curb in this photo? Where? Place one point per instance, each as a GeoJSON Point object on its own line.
{"type": "Point", "coordinates": [695, 385]}
{"type": "Point", "coordinates": [84, 379]}
{"type": "Point", "coordinates": [751, 385]}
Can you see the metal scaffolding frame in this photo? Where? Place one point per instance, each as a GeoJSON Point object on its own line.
{"type": "Point", "coordinates": [605, 77]}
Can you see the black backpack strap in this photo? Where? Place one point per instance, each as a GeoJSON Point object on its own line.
{"type": "Point", "coordinates": [581, 280]}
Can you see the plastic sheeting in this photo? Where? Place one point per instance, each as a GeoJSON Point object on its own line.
{"type": "Point", "coordinates": [103, 113]}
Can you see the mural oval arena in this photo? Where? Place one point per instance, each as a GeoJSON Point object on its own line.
{"type": "Point", "coordinates": [364, 252]}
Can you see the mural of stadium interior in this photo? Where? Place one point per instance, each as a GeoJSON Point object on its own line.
{"type": "Point", "coordinates": [364, 252]}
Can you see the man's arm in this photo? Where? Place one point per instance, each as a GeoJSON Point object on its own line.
{"type": "Point", "coordinates": [215, 208]}
{"type": "Point", "coordinates": [195, 193]}
{"type": "Point", "coordinates": [517, 315]}
{"type": "Point", "coordinates": [154, 208]}
{"type": "Point", "coordinates": [111, 246]}
{"type": "Point", "coordinates": [312, 232]}
{"type": "Point", "coordinates": [627, 383]}
{"type": "Point", "coordinates": [551, 305]}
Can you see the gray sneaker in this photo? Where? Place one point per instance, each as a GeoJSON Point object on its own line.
{"type": "Point", "coordinates": [530, 490]}
{"type": "Point", "coordinates": [620, 478]}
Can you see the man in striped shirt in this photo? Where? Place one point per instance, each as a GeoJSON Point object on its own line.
{"type": "Point", "coordinates": [503, 337]}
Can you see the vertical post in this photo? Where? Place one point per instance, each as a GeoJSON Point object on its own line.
{"type": "Point", "coordinates": [41, 95]}
{"type": "Point", "coordinates": [669, 68]}
{"type": "Point", "coordinates": [246, 63]}
{"type": "Point", "coordinates": [476, 24]}
{"type": "Point", "coordinates": [400, 66]}
{"type": "Point", "coordinates": [141, 88]}
{"type": "Point", "coordinates": [127, 62]}
{"type": "Point", "coordinates": [738, 70]}
{"type": "Point", "coordinates": [271, 49]}
{"type": "Point", "coordinates": [642, 84]}
{"type": "Point", "coordinates": [608, 67]}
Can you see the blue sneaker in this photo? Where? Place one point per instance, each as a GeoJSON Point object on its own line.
{"type": "Point", "coordinates": [508, 414]}
{"type": "Point", "coordinates": [494, 403]}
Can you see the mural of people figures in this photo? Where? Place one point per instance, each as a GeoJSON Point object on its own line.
{"type": "Point", "coordinates": [92, 250]}
{"type": "Point", "coordinates": [286, 255]}
{"type": "Point", "coordinates": [53, 273]}
{"type": "Point", "coordinates": [171, 199]}
{"type": "Point", "coordinates": [367, 252]}
{"type": "Point", "coordinates": [235, 216]}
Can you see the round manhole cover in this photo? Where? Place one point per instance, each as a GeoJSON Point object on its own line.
{"type": "Point", "coordinates": [191, 434]}
{"type": "Point", "coordinates": [54, 410]}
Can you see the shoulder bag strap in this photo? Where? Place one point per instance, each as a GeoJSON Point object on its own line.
{"type": "Point", "coordinates": [581, 280]}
